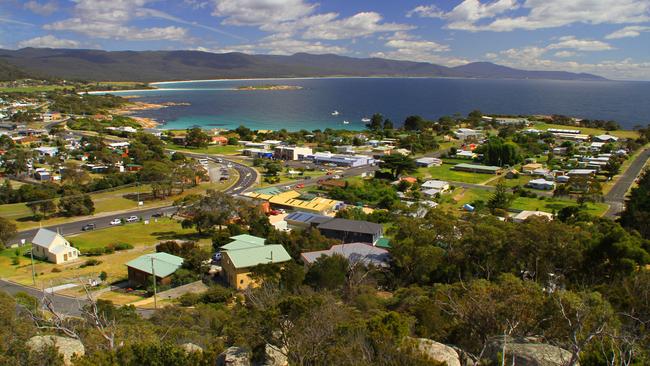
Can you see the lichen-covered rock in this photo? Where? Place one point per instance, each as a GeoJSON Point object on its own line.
{"type": "Point", "coordinates": [67, 347]}
{"type": "Point", "coordinates": [438, 351]}
{"type": "Point", "coordinates": [234, 356]}
{"type": "Point", "coordinates": [191, 347]}
{"type": "Point", "coordinates": [273, 356]}
{"type": "Point", "coordinates": [528, 354]}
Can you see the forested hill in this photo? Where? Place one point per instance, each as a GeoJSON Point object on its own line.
{"type": "Point", "coordinates": [184, 65]}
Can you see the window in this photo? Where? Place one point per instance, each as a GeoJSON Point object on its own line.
{"type": "Point", "coordinates": [241, 282]}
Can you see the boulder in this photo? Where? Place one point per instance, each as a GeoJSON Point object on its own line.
{"type": "Point", "coordinates": [528, 354]}
{"type": "Point", "coordinates": [67, 347]}
{"type": "Point", "coordinates": [191, 347]}
{"type": "Point", "coordinates": [273, 356]}
{"type": "Point", "coordinates": [234, 356]}
{"type": "Point", "coordinates": [438, 351]}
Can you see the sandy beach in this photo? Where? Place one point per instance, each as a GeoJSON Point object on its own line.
{"type": "Point", "coordinates": [134, 106]}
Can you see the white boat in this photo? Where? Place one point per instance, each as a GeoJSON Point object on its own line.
{"type": "Point", "coordinates": [346, 122]}
{"type": "Point", "coordinates": [335, 113]}
{"type": "Point", "coordinates": [365, 120]}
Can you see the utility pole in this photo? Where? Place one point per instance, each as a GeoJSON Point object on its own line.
{"type": "Point", "coordinates": [153, 273]}
{"type": "Point", "coordinates": [31, 254]}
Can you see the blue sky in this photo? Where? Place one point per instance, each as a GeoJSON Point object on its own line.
{"type": "Point", "coordinates": [605, 37]}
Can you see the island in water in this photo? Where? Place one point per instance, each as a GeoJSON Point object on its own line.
{"type": "Point", "coordinates": [270, 87]}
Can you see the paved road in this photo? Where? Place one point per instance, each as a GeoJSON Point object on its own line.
{"type": "Point", "coordinates": [62, 304]}
{"type": "Point", "coordinates": [616, 196]}
{"type": "Point", "coordinates": [247, 177]}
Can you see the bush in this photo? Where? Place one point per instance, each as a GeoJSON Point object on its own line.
{"type": "Point", "coordinates": [90, 263]}
{"type": "Point", "coordinates": [56, 270]}
{"type": "Point", "coordinates": [15, 261]}
{"type": "Point", "coordinates": [189, 299]}
{"type": "Point", "coordinates": [92, 252]}
{"type": "Point", "coordinates": [122, 246]}
{"type": "Point", "coordinates": [103, 276]}
{"type": "Point", "coordinates": [216, 294]}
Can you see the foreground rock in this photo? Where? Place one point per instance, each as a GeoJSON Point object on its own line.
{"type": "Point", "coordinates": [528, 353]}
{"type": "Point", "coordinates": [234, 356]}
{"type": "Point", "coordinates": [273, 356]}
{"type": "Point", "coordinates": [66, 347]}
{"type": "Point", "coordinates": [191, 348]}
{"type": "Point", "coordinates": [438, 351]}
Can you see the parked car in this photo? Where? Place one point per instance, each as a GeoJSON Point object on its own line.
{"type": "Point", "coordinates": [216, 257]}
{"type": "Point", "coordinates": [132, 219]}
{"type": "Point", "coordinates": [116, 222]}
{"type": "Point", "coordinates": [299, 186]}
{"type": "Point", "coordinates": [157, 214]}
{"type": "Point", "coordinates": [88, 227]}
{"type": "Point", "coordinates": [274, 212]}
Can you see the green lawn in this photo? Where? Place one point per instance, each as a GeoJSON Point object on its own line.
{"type": "Point", "coordinates": [588, 131]}
{"type": "Point", "coordinates": [464, 196]}
{"type": "Point", "coordinates": [33, 89]}
{"type": "Point", "coordinates": [445, 172]}
{"type": "Point", "coordinates": [137, 234]}
{"type": "Point", "coordinates": [286, 179]}
{"type": "Point", "coordinates": [213, 149]}
{"type": "Point", "coordinates": [522, 180]}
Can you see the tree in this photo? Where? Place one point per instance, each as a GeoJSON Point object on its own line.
{"type": "Point", "coordinates": [77, 205]}
{"type": "Point", "coordinates": [636, 215]}
{"type": "Point", "coordinates": [328, 272]}
{"type": "Point", "coordinates": [196, 137]}
{"type": "Point", "coordinates": [7, 231]}
{"type": "Point", "coordinates": [388, 124]}
{"type": "Point", "coordinates": [500, 200]}
{"type": "Point", "coordinates": [414, 123]}
{"type": "Point", "coordinates": [500, 153]}
{"type": "Point", "coordinates": [398, 164]}
{"type": "Point", "coordinates": [375, 122]}
{"type": "Point", "coordinates": [272, 168]}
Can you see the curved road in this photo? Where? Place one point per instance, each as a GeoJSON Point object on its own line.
{"type": "Point", "coordinates": [616, 196]}
{"type": "Point", "coordinates": [247, 178]}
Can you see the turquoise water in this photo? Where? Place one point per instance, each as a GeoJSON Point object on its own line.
{"type": "Point", "coordinates": [218, 104]}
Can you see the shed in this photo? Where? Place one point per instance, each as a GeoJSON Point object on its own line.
{"type": "Point", "coordinates": [163, 265]}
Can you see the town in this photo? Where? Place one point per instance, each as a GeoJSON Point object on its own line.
{"type": "Point", "coordinates": [103, 209]}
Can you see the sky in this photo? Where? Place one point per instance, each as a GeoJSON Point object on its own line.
{"type": "Point", "coordinates": [610, 38]}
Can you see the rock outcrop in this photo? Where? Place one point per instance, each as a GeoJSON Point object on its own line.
{"type": "Point", "coordinates": [191, 347]}
{"type": "Point", "coordinates": [528, 354]}
{"type": "Point", "coordinates": [273, 356]}
{"type": "Point", "coordinates": [67, 347]}
{"type": "Point", "coordinates": [234, 356]}
{"type": "Point", "coordinates": [438, 351]}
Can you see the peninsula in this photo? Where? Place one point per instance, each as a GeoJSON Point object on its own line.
{"type": "Point", "coordinates": [270, 87]}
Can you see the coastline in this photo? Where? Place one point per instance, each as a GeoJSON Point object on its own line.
{"type": "Point", "coordinates": [134, 107]}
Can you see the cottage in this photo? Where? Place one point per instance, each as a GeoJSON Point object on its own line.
{"type": "Point", "coordinates": [53, 247]}
{"type": "Point", "coordinates": [528, 168]}
{"type": "Point", "coordinates": [465, 154]}
{"type": "Point", "coordinates": [523, 215]}
{"type": "Point", "coordinates": [218, 140]}
{"type": "Point", "coordinates": [351, 231]}
{"type": "Point", "coordinates": [467, 133]}
{"type": "Point", "coordinates": [354, 252]}
{"type": "Point", "coordinates": [428, 162]}
{"type": "Point", "coordinates": [541, 184]}
{"type": "Point", "coordinates": [246, 252]}
{"type": "Point", "coordinates": [162, 265]}
{"type": "Point", "coordinates": [439, 185]}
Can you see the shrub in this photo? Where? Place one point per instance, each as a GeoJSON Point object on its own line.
{"type": "Point", "coordinates": [56, 270]}
{"type": "Point", "coordinates": [216, 294]}
{"type": "Point", "coordinates": [103, 276]}
{"type": "Point", "coordinates": [90, 262]}
{"type": "Point", "coordinates": [189, 299]}
{"type": "Point", "coordinates": [94, 252]}
{"type": "Point", "coordinates": [122, 246]}
{"type": "Point", "coordinates": [15, 261]}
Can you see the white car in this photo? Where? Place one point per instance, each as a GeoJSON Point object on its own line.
{"type": "Point", "coordinates": [132, 219]}
{"type": "Point", "coordinates": [116, 222]}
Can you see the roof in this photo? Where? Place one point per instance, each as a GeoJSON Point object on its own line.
{"type": "Point", "coordinates": [541, 181]}
{"type": "Point", "coordinates": [353, 252]}
{"type": "Point", "coordinates": [607, 137]}
{"type": "Point", "coordinates": [47, 238]}
{"type": "Point", "coordinates": [523, 215]}
{"type": "Point", "coordinates": [249, 238]}
{"type": "Point", "coordinates": [478, 167]}
{"type": "Point", "coordinates": [306, 218]}
{"type": "Point", "coordinates": [383, 242]}
{"type": "Point", "coordinates": [355, 226]}
{"type": "Point", "coordinates": [164, 264]}
{"type": "Point", "coordinates": [437, 184]}
{"type": "Point", "coordinates": [252, 256]}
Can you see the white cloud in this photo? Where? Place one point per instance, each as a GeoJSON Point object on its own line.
{"type": "Point", "coordinates": [403, 46]}
{"type": "Point", "coordinates": [564, 54]}
{"type": "Point", "coordinates": [532, 58]}
{"type": "Point", "coordinates": [571, 42]}
{"type": "Point", "coordinates": [358, 25]}
{"type": "Point", "coordinates": [49, 41]}
{"type": "Point", "coordinates": [46, 8]}
{"type": "Point", "coordinates": [628, 32]}
{"type": "Point", "coordinates": [280, 44]}
{"type": "Point", "coordinates": [471, 15]}
{"type": "Point", "coordinates": [426, 11]}
{"type": "Point", "coordinates": [260, 12]}
{"type": "Point", "coordinates": [110, 19]}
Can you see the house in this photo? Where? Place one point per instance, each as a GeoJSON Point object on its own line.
{"type": "Point", "coordinates": [246, 252]}
{"type": "Point", "coordinates": [473, 168]}
{"type": "Point", "coordinates": [363, 253]}
{"type": "Point", "coordinates": [304, 220]}
{"type": "Point", "coordinates": [541, 184]}
{"type": "Point", "coordinates": [439, 185]}
{"type": "Point", "coordinates": [428, 162]}
{"type": "Point", "coordinates": [345, 149]}
{"type": "Point", "coordinates": [42, 174]}
{"type": "Point", "coordinates": [162, 265]}
{"type": "Point", "coordinates": [560, 130]}
{"type": "Point", "coordinates": [511, 121]}
{"type": "Point", "coordinates": [523, 215]}
{"type": "Point", "coordinates": [47, 151]}
{"type": "Point", "coordinates": [466, 133]}
{"type": "Point", "coordinates": [218, 140]}
{"type": "Point", "coordinates": [562, 178]}
{"type": "Point", "coordinates": [351, 161]}
{"type": "Point", "coordinates": [153, 131]}
{"type": "Point", "coordinates": [351, 231]}
{"type": "Point", "coordinates": [291, 152]}
{"type": "Point", "coordinates": [529, 168]}
{"type": "Point", "coordinates": [605, 138]}
{"type": "Point", "coordinates": [292, 200]}
{"type": "Point", "coordinates": [560, 150]}
{"type": "Point", "coordinates": [53, 247]}
{"type": "Point", "coordinates": [581, 172]}
{"type": "Point", "coordinates": [465, 154]}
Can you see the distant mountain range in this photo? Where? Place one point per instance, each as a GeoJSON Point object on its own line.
{"type": "Point", "coordinates": [149, 66]}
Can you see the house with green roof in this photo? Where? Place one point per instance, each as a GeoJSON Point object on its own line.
{"type": "Point", "coordinates": [162, 265]}
{"type": "Point", "coordinates": [245, 252]}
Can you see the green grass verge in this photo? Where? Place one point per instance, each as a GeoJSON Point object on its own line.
{"type": "Point", "coordinates": [214, 149]}
{"type": "Point", "coordinates": [588, 131]}
{"type": "Point", "coordinates": [445, 172]}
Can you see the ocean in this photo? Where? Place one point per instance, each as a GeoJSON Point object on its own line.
{"type": "Point", "coordinates": [218, 104]}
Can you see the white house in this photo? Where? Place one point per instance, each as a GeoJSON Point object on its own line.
{"type": "Point", "coordinates": [52, 246]}
{"type": "Point", "coordinates": [465, 133]}
{"type": "Point", "coordinates": [428, 162]}
{"type": "Point", "coordinates": [541, 184]}
{"type": "Point", "coordinates": [465, 154]}
{"type": "Point", "coordinates": [523, 215]}
{"type": "Point", "coordinates": [439, 185]}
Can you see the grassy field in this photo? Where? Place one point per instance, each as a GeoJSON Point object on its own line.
{"type": "Point", "coordinates": [33, 89]}
{"type": "Point", "coordinates": [214, 149]}
{"type": "Point", "coordinates": [463, 196]}
{"type": "Point", "coordinates": [522, 180]}
{"type": "Point", "coordinates": [588, 131]}
{"type": "Point", "coordinates": [286, 179]}
{"type": "Point", "coordinates": [142, 237]}
{"type": "Point", "coordinates": [444, 172]}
